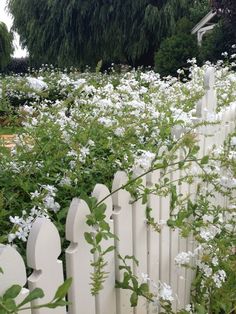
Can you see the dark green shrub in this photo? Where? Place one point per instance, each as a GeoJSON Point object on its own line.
{"type": "Point", "coordinates": [214, 43]}
{"type": "Point", "coordinates": [174, 52]}
{"type": "Point", "coordinates": [18, 65]}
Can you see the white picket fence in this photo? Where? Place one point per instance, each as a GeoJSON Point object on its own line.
{"type": "Point", "coordinates": [154, 251]}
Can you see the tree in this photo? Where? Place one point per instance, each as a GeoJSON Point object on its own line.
{"type": "Point", "coordinates": [6, 47]}
{"type": "Point", "coordinates": [175, 50]}
{"type": "Point", "coordinates": [80, 32]}
{"type": "Point", "coordinates": [227, 10]}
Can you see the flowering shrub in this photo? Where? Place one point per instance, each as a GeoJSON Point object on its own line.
{"type": "Point", "coordinates": [79, 129]}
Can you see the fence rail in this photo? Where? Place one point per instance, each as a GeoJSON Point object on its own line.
{"type": "Point", "coordinates": [154, 251]}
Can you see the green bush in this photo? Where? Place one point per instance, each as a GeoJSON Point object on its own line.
{"type": "Point", "coordinates": [214, 44]}
{"type": "Point", "coordinates": [174, 52]}
{"type": "Point", "coordinates": [18, 65]}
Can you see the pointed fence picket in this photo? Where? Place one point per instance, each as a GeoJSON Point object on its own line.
{"type": "Point", "coordinates": [78, 259]}
{"type": "Point", "coordinates": [14, 272]}
{"type": "Point", "coordinates": [43, 250]}
{"type": "Point", "coordinates": [123, 227]}
{"type": "Point", "coordinates": [127, 219]}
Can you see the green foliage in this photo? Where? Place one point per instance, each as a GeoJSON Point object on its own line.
{"type": "Point", "coordinates": [227, 10]}
{"type": "Point", "coordinates": [214, 43]}
{"type": "Point", "coordinates": [83, 32]}
{"type": "Point", "coordinates": [130, 281]}
{"type": "Point", "coordinates": [198, 10]}
{"type": "Point", "coordinates": [8, 303]}
{"type": "Point", "coordinates": [97, 221]}
{"type": "Point", "coordinates": [174, 53]}
{"type": "Point", "coordinates": [6, 47]}
{"type": "Point", "coordinates": [18, 65]}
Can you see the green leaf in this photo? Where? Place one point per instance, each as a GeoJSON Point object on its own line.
{"type": "Point", "coordinates": [135, 283]}
{"type": "Point", "coordinates": [200, 309]}
{"type": "Point", "coordinates": [12, 292]}
{"type": "Point", "coordinates": [10, 304]}
{"type": "Point", "coordinates": [1, 270]}
{"type": "Point", "coordinates": [98, 237]}
{"type": "Point", "coordinates": [165, 163]}
{"type": "Point", "coordinates": [99, 212]}
{"type": "Point", "coordinates": [134, 299]}
{"type": "Point", "coordinates": [56, 304]}
{"type": "Point", "coordinates": [89, 238]}
{"type": "Point", "coordinates": [204, 160]}
{"type": "Point", "coordinates": [170, 223]}
{"type": "Point", "coordinates": [104, 225]}
{"type": "Point", "coordinates": [144, 198]}
{"type": "Point", "coordinates": [109, 249]}
{"type": "Point", "coordinates": [37, 293]}
{"type": "Point", "coordinates": [144, 288]}
{"type": "Point", "coordinates": [63, 289]}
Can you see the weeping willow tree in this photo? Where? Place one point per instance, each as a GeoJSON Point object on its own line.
{"type": "Point", "coordinates": [80, 32]}
{"type": "Point", "coordinates": [6, 47]}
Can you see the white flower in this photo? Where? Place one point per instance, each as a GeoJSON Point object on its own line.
{"type": "Point", "coordinates": [208, 218]}
{"type": "Point", "coordinates": [50, 189]}
{"type": "Point", "coordinates": [183, 258]}
{"type": "Point", "coordinates": [219, 277]}
{"type": "Point", "coordinates": [91, 143]}
{"type": "Point", "coordinates": [215, 261]}
{"type": "Point", "coordinates": [84, 151]}
{"type": "Point", "coordinates": [106, 121]}
{"type": "Point", "coordinates": [145, 277]}
{"type": "Point", "coordinates": [11, 237]}
{"type": "Point", "coordinates": [119, 131]}
{"type": "Point", "coordinates": [35, 194]}
{"type": "Point", "coordinates": [205, 268]}
{"type": "Point", "coordinates": [22, 234]}
{"type": "Point", "coordinates": [209, 233]}
{"type": "Point", "coordinates": [188, 308]}
{"type": "Point", "coordinates": [72, 164]}
{"type": "Point", "coordinates": [165, 292]}
{"type": "Point", "coordinates": [65, 181]}
{"type": "Point", "coordinates": [143, 162]}
{"type": "Point", "coordinates": [15, 220]}
{"type": "Point", "coordinates": [224, 54]}
{"type": "Point", "coordinates": [50, 203]}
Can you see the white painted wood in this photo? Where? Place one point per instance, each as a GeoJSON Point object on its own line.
{"type": "Point", "coordinates": [190, 274]}
{"type": "Point", "coordinates": [14, 273]}
{"type": "Point", "coordinates": [122, 217]}
{"type": "Point", "coordinates": [140, 244]}
{"type": "Point", "coordinates": [154, 236]}
{"type": "Point", "coordinates": [182, 248]}
{"type": "Point", "coordinates": [165, 239]}
{"type": "Point", "coordinates": [105, 301]}
{"type": "Point", "coordinates": [174, 240]}
{"type": "Point", "coordinates": [78, 259]}
{"type": "Point", "coordinates": [206, 19]}
{"type": "Point", "coordinates": [43, 250]}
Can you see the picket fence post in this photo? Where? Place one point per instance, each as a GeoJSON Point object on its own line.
{"type": "Point", "coordinates": [123, 225]}
{"type": "Point", "coordinates": [14, 273]}
{"type": "Point", "coordinates": [106, 299]}
{"type": "Point", "coordinates": [78, 259]}
{"type": "Point", "coordinates": [43, 250]}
